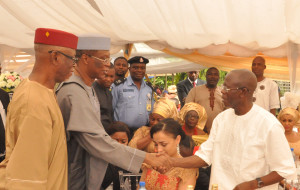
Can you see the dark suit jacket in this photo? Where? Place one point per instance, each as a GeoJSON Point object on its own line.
{"type": "Point", "coordinates": [184, 87]}
{"type": "Point", "coordinates": [105, 100]}
{"type": "Point", "coordinates": [4, 97]}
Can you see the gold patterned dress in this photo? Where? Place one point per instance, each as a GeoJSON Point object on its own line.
{"type": "Point", "coordinates": [169, 181]}
{"type": "Point", "coordinates": [142, 132]}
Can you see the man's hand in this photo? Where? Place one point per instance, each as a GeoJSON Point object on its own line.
{"type": "Point", "coordinates": [248, 185]}
{"type": "Point", "coordinates": [160, 161]}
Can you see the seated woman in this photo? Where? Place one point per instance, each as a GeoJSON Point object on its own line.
{"type": "Point", "coordinates": [193, 117]}
{"type": "Point", "coordinates": [166, 136]}
{"type": "Point", "coordinates": [163, 108]}
{"type": "Point", "coordinates": [118, 131]}
{"type": "Point", "coordinates": [288, 118]}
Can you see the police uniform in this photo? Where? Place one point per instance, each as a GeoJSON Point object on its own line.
{"type": "Point", "coordinates": [132, 105]}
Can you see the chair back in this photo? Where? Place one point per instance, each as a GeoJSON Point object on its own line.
{"type": "Point", "coordinates": [129, 181]}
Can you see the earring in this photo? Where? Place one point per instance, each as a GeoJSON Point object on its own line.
{"type": "Point", "coordinates": [178, 150]}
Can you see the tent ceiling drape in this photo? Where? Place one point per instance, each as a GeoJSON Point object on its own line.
{"type": "Point", "coordinates": [204, 32]}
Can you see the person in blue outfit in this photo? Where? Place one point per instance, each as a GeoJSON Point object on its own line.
{"type": "Point", "coordinates": [132, 97]}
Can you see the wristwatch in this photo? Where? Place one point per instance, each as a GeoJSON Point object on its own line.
{"type": "Point", "coordinates": [260, 183]}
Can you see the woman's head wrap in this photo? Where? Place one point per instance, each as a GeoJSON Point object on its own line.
{"type": "Point", "coordinates": [166, 108]}
{"type": "Point", "coordinates": [196, 107]}
{"type": "Point", "coordinates": [289, 111]}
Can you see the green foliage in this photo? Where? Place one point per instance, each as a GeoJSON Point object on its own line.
{"type": "Point", "coordinates": [160, 80]}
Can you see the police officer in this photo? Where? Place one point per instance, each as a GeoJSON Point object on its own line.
{"type": "Point", "coordinates": [132, 97]}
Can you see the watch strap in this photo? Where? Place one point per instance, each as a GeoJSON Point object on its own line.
{"type": "Point", "coordinates": [260, 183]}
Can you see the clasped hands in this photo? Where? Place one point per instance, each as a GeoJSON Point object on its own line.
{"type": "Point", "coordinates": [161, 162]}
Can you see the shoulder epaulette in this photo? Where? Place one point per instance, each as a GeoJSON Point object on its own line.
{"type": "Point", "coordinates": [149, 84]}
{"type": "Point", "coordinates": [120, 81]}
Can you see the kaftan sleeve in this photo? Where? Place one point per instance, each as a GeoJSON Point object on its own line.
{"type": "Point", "coordinates": [28, 164]}
{"type": "Point", "coordinates": [191, 96]}
{"type": "Point", "coordinates": [274, 96]}
{"type": "Point", "coordinates": [206, 149]}
{"type": "Point", "coordinates": [278, 154]}
{"type": "Point", "coordinates": [82, 123]}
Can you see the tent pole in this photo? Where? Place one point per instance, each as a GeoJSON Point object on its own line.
{"type": "Point", "coordinates": [172, 78]}
{"type": "Point", "coordinates": [166, 85]}
{"type": "Point", "coordinates": [127, 53]}
{"type": "Point", "coordinates": [128, 50]}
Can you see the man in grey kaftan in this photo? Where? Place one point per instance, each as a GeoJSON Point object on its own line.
{"type": "Point", "coordinates": [90, 148]}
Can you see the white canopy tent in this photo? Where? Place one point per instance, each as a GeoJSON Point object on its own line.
{"type": "Point", "coordinates": [178, 27]}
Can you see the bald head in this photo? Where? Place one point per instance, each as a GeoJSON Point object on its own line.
{"type": "Point", "coordinates": [239, 86]}
{"type": "Point", "coordinates": [259, 59]}
{"type": "Point", "coordinates": [258, 67]}
{"type": "Point", "coordinates": [243, 78]}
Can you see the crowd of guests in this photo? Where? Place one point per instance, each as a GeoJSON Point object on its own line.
{"type": "Point", "coordinates": [99, 121]}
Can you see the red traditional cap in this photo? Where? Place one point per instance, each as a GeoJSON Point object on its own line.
{"type": "Point", "coordinates": [55, 37]}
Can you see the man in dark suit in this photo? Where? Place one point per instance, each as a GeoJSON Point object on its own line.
{"type": "Point", "coordinates": [183, 87]}
{"type": "Point", "coordinates": [102, 89]}
{"type": "Point", "coordinates": [4, 98]}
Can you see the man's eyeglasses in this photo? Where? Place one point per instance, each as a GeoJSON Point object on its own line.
{"type": "Point", "coordinates": [106, 61]}
{"type": "Point", "coordinates": [74, 59]}
{"type": "Point", "coordinates": [239, 88]}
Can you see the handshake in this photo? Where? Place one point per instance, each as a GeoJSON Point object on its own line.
{"type": "Point", "coordinates": [161, 162]}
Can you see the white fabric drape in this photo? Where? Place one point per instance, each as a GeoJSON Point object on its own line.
{"type": "Point", "coordinates": [209, 27]}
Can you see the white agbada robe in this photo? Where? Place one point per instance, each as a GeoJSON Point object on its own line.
{"type": "Point", "coordinates": [266, 94]}
{"type": "Point", "coordinates": [242, 148]}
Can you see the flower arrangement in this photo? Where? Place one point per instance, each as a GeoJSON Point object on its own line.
{"type": "Point", "coordinates": [9, 81]}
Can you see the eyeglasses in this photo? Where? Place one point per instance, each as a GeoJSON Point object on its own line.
{"type": "Point", "coordinates": [74, 59]}
{"type": "Point", "coordinates": [106, 61]}
{"type": "Point", "coordinates": [239, 88]}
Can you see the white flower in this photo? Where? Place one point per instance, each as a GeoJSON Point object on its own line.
{"type": "Point", "coordinates": [2, 84]}
{"type": "Point", "coordinates": [6, 74]}
{"type": "Point", "coordinates": [16, 83]}
{"type": "Point", "coordinates": [2, 77]}
{"type": "Point", "coordinates": [8, 85]}
{"type": "Point", "coordinates": [9, 81]}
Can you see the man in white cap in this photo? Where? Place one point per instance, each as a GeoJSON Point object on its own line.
{"type": "Point", "coordinates": [89, 147]}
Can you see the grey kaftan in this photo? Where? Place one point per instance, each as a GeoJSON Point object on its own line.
{"type": "Point", "coordinates": [90, 148]}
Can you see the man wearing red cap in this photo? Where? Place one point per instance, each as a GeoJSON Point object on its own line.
{"type": "Point", "coordinates": [36, 152]}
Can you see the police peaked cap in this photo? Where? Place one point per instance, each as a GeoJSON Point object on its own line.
{"type": "Point", "coordinates": [138, 59]}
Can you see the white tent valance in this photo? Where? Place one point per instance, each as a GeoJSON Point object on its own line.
{"type": "Point", "coordinates": [209, 27]}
